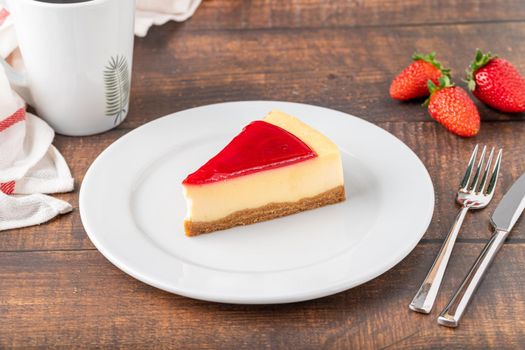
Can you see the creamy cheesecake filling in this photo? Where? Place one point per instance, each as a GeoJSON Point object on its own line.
{"type": "Point", "coordinates": [286, 184]}
{"type": "Point", "coordinates": [314, 139]}
{"type": "Point", "coordinates": [267, 212]}
{"type": "Point", "coordinates": [306, 179]}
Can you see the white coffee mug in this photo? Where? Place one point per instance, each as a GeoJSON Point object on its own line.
{"type": "Point", "coordinates": [78, 58]}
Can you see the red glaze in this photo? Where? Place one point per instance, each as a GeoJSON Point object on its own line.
{"type": "Point", "coordinates": [259, 146]}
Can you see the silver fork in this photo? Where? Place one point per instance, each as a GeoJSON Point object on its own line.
{"type": "Point", "coordinates": [472, 194]}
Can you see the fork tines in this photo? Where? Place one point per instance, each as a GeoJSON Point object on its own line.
{"type": "Point", "coordinates": [475, 181]}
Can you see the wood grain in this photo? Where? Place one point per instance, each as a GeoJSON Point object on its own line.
{"type": "Point", "coordinates": [344, 69]}
{"type": "Point", "coordinates": [78, 299]}
{"type": "Point", "coordinates": [56, 289]}
{"type": "Point", "coordinates": [232, 14]}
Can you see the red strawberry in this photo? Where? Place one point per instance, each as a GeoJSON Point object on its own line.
{"type": "Point", "coordinates": [497, 83]}
{"type": "Point", "coordinates": [452, 107]}
{"type": "Point", "coordinates": [412, 81]}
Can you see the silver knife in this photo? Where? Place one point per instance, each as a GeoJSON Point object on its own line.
{"type": "Point", "coordinates": [505, 216]}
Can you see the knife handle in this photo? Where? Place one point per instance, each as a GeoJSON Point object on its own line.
{"type": "Point", "coordinates": [452, 313]}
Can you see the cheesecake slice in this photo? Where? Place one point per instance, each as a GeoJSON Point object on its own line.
{"type": "Point", "coordinates": [274, 167]}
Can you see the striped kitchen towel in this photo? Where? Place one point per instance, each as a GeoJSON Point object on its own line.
{"type": "Point", "coordinates": [29, 164]}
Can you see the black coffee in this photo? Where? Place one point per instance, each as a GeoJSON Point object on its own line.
{"type": "Point", "coordinates": [63, 1]}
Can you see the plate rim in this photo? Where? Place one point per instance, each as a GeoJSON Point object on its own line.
{"type": "Point", "coordinates": [291, 297]}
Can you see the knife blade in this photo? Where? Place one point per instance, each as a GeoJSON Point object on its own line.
{"type": "Point", "coordinates": [503, 219]}
{"type": "Point", "coordinates": [510, 207]}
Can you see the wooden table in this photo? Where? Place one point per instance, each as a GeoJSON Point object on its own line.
{"type": "Point", "coordinates": [57, 289]}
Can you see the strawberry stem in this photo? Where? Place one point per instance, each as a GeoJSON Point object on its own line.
{"type": "Point", "coordinates": [480, 60]}
{"type": "Point", "coordinates": [431, 58]}
{"type": "Point", "coordinates": [444, 82]}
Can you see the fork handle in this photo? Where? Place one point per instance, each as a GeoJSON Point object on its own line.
{"type": "Point", "coordinates": [452, 313]}
{"type": "Point", "coordinates": [424, 299]}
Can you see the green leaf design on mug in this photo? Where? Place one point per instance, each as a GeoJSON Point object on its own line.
{"type": "Point", "coordinates": [117, 82]}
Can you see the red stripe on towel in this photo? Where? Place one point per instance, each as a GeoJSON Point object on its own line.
{"type": "Point", "coordinates": [18, 116]}
{"type": "Point", "coordinates": [7, 187]}
{"type": "Point", "coordinates": [3, 15]}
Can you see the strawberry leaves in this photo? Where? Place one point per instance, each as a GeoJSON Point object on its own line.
{"type": "Point", "coordinates": [444, 82]}
{"type": "Point", "coordinates": [480, 60]}
{"type": "Point", "coordinates": [431, 58]}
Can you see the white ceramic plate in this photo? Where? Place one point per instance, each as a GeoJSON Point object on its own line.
{"type": "Point", "coordinates": [132, 208]}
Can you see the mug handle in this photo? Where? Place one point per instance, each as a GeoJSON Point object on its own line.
{"type": "Point", "coordinates": [18, 82]}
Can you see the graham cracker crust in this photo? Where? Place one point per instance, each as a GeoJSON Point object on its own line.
{"type": "Point", "coordinates": [267, 212]}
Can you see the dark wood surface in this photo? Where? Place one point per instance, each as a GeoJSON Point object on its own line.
{"type": "Point", "coordinates": [56, 289]}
